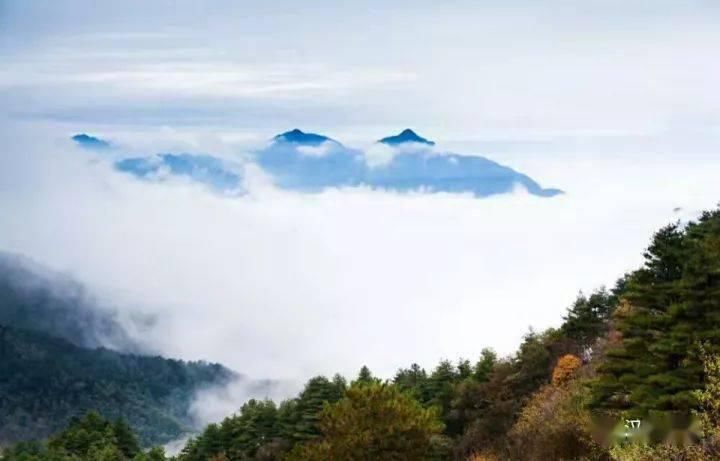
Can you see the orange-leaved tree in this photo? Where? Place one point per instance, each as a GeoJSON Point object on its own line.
{"type": "Point", "coordinates": [566, 367]}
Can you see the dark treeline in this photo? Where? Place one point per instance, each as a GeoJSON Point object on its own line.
{"type": "Point", "coordinates": [91, 437]}
{"type": "Point", "coordinates": [45, 381]}
{"type": "Point", "coordinates": [646, 349]}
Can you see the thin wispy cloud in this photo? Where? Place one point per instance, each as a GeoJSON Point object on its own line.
{"type": "Point", "coordinates": [220, 79]}
{"type": "Point", "coordinates": [480, 69]}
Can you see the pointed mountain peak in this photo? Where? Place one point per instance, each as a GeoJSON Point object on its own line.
{"type": "Point", "coordinates": [297, 136]}
{"type": "Point", "coordinates": [407, 135]}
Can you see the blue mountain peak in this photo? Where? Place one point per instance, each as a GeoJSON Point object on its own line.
{"type": "Point", "coordinates": [313, 170]}
{"type": "Point", "coordinates": [407, 135]}
{"type": "Point", "coordinates": [297, 136]}
{"type": "Point", "coordinates": [90, 142]}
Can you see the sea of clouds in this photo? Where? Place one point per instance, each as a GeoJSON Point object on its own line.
{"type": "Point", "coordinates": [283, 285]}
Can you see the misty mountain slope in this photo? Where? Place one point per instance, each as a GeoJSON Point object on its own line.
{"type": "Point", "coordinates": [411, 164]}
{"type": "Point", "coordinates": [204, 169]}
{"type": "Point", "coordinates": [304, 164]}
{"type": "Point", "coordinates": [45, 381]}
{"type": "Point", "coordinates": [421, 169]}
{"type": "Point", "coordinates": [311, 162]}
{"type": "Point", "coordinates": [35, 298]}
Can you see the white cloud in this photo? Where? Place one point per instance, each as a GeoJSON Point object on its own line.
{"type": "Point", "coordinates": [284, 285]}
{"type": "Point", "coordinates": [379, 154]}
{"type": "Point", "coordinates": [213, 404]}
{"type": "Point", "coordinates": [320, 150]}
{"type": "Point", "coordinates": [195, 73]}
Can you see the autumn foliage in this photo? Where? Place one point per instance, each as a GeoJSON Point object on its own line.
{"type": "Point", "coordinates": [566, 367]}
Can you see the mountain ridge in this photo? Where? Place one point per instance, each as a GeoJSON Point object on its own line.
{"type": "Point", "coordinates": [311, 163]}
{"type": "Point", "coordinates": [45, 381]}
{"type": "Point", "coordinates": [405, 136]}
{"type": "Point", "coordinates": [297, 136]}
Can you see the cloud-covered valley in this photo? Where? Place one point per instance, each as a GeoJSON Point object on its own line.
{"type": "Point", "coordinates": [280, 284]}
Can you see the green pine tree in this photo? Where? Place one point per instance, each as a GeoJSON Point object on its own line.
{"type": "Point", "coordinates": [127, 442]}
{"type": "Point", "coordinates": [484, 366]}
{"type": "Point", "coordinates": [669, 307]}
{"type": "Point", "coordinates": [365, 376]}
{"type": "Point", "coordinates": [414, 380]}
{"type": "Point", "coordinates": [375, 421]}
{"type": "Point", "coordinates": [318, 392]}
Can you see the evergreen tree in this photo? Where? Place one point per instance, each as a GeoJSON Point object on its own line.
{"type": "Point", "coordinates": [31, 450]}
{"type": "Point", "coordinates": [89, 438]}
{"type": "Point", "coordinates": [415, 381]}
{"type": "Point", "coordinates": [669, 306]}
{"type": "Point", "coordinates": [484, 366]}
{"type": "Point", "coordinates": [287, 416]}
{"type": "Point", "coordinates": [209, 444]}
{"type": "Point", "coordinates": [464, 369]}
{"type": "Point", "coordinates": [91, 432]}
{"type": "Point", "coordinates": [263, 431]}
{"type": "Point", "coordinates": [126, 440]}
{"type": "Point", "coordinates": [105, 452]}
{"type": "Point", "coordinates": [153, 454]}
{"type": "Point", "coordinates": [441, 385]}
{"type": "Point", "coordinates": [588, 317]}
{"type": "Point", "coordinates": [317, 392]}
{"type": "Point", "coordinates": [365, 376]}
{"type": "Point", "coordinates": [246, 433]}
{"type": "Point", "coordinates": [340, 383]}
{"type": "Point", "coordinates": [532, 363]}
{"type": "Point", "coordinates": [374, 422]}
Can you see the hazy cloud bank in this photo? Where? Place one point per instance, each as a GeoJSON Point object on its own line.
{"type": "Point", "coordinates": [277, 284]}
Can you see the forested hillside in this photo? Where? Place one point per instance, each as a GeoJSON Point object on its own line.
{"type": "Point", "coordinates": [62, 354]}
{"type": "Point", "coordinates": [46, 381]}
{"type": "Point", "coordinates": [647, 350]}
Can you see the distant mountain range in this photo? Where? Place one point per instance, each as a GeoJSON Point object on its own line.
{"type": "Point", "coordinates": [310, 162]}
